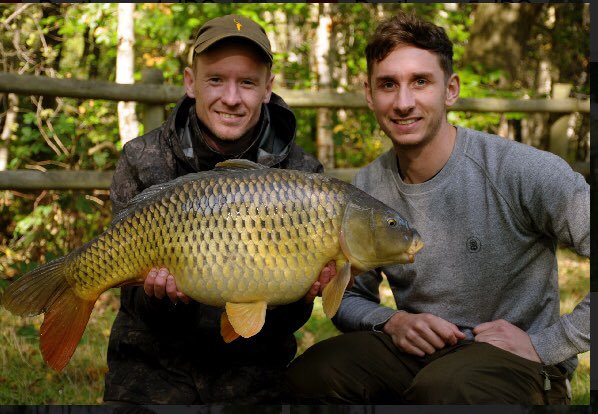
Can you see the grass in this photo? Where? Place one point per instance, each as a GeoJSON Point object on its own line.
{"type": "Point", "coordinates": [25, 379]}
{"type": "Point", "coordinates": [574, 282]}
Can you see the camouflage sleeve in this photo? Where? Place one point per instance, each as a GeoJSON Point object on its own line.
{"type": "Point", "coordinates": [298, 159]}
{"type": "Point", "coordinates": [125, 183]}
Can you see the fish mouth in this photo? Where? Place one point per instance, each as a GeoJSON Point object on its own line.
{"type": "Point", "coordinates": [416, 245]}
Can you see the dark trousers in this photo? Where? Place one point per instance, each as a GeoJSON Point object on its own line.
{"type": "Point", "coordinates": [169, 381]}
{"type": "Point", "coordinates": [367, 368]}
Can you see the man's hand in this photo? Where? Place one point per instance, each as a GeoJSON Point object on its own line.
{"type": "Point", "coordinates": [160, 283]}
{"type": "Point", "coordinates": [326, 275]}
{"type": "Point", "coordinates": [422, 333]}
{"type": "Point", "coordinates": [507, 336]}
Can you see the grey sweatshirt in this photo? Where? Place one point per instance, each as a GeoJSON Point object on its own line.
{"type": "Point", "coordinates": [490, 220]}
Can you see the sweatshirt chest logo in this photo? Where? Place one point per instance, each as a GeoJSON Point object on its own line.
{"type": "Point", "coordinates": [473, 244]}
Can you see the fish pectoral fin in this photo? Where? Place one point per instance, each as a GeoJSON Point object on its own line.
{"type": "Point", "coordinates": [226, 329]}
{"type": "Point", "coordinates": [334, 291]}
{"type": "Point", "coordinates": [247, 319]}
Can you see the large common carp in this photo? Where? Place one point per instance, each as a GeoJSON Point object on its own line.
{"type": "Point", "coordinates": [242, 236]}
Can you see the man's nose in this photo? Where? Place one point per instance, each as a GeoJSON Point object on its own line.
{"type": "Point", "coordinates": [231, 95]}
{"type": "Point", "coordinates": [404, 101]}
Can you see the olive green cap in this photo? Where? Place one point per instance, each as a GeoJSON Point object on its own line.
{"type": "Point", "coordinates": [231, 26]}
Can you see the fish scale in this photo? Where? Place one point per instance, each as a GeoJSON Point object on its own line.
{"type": "Point", "coordinates": [242, 237]}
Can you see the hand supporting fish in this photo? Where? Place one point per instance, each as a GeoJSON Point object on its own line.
{"type": "Point", "coordinates": [242, 237]}
{"type": "Point", "coordinates": [160, 283]}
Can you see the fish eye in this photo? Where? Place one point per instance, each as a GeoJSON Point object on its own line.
{"type": "Point", "coordinates": [392, 222]}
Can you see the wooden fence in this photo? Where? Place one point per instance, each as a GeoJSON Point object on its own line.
{"type": "Point", "coordinates": [155, 97]}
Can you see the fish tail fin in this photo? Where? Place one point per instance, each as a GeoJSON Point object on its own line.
{"type": "Point", "coordinates": [63, 326]}
{"type": "Point", "coordinates": [46, 290]}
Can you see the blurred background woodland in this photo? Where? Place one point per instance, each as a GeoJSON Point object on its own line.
{"type": "Point", "coordinates": [514, 51]}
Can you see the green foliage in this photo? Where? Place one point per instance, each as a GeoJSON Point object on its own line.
{"type": "Point", "coordinates": [164, 34]}
{"type": "Point", "coordinates": [48, 227]}
{"type": "Point", "coordinates": [353, 147]}
{"type": "Point", "coordinates": [306, 129]}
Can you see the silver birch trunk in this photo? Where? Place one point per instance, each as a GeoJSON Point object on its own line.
{"type": "Point", "coordinates": [324, 141]}
{"type": "Point", "coordinates": [127, 119]}
{"type": "Point", "coordinates": [278, 38]}
{"type": "Point", "coordinates": [9, 122]}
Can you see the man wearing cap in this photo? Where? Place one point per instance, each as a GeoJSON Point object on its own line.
{"type": "Point", "coordinates": [165, 348]}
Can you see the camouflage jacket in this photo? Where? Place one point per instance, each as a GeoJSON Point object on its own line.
{"type": "Point", "coordinates": [155, 330]}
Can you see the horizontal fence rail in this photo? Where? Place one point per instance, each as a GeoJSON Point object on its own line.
{"type": "Point", "coordinates": [31, 180]}
{"type": "Point", "coordinates": [164, 94]}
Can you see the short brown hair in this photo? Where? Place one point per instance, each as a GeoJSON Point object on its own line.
{"type": "Point", "coordinates": [409, 29]}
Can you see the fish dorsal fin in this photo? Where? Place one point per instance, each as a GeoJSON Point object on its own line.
{"type": "Point", "coordinates": [157, 190]}
{"type": "Point", "coordinates": [334, 291]}
{"type": "Point", "coordinates": [144, 197]}
{"type": "Point", "coordinates": [247, 319]}
{"type": "Point", "coordinates": [239, 164]}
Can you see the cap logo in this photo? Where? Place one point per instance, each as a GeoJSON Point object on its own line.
{"type": "Point", "coordinates": [239, 25]}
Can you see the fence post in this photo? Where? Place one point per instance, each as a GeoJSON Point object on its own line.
{"type": "Point", "coordinates": [324, 140]}
{"type": "Point", "coordinates": [558, 141]}
{"type": "Point", "coordinates": [153, 115]}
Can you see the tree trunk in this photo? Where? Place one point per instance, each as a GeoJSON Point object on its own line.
{"type": "Point", "coordinates": [339, 40]}
{"type": "Point", "coordinates": [278, 38]}
{"type": "Point", "coordinates": [9, 121]}
{"type": "Point", "coordinates": [499, 35]}
{"type": "Point", "coordinates": [127, 120]}
{"type": "Point", "coordinates": [324, 141]}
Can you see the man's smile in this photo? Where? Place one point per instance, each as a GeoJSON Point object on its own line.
{"type": "Point", "coordinates": [227, 115]}
{"type": "Point", "coordinates": [405, 121]}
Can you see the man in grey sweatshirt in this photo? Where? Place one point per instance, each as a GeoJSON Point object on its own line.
{"type": "Point", "coordinates": [478, 311]}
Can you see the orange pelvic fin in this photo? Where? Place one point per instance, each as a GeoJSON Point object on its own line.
{"type": "Point", "coordinates": [226, 329]}
{"type": "Point", "coordinates": [45, 290]}
{"type": "Point", "coordinates": [247, 319]}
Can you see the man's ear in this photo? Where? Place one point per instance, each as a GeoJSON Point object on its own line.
{"type": "Point", "coordinates": [189, 80]}
{"type": "Point", "coordinates": [268, 93]}
{"type": "Point", "coordinates": [368, 94]}
{"type": "Point", "coordinates": [453, 87]}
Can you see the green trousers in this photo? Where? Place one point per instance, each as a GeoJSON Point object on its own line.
{"type": "Point", "coordinates": [367, 368]}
